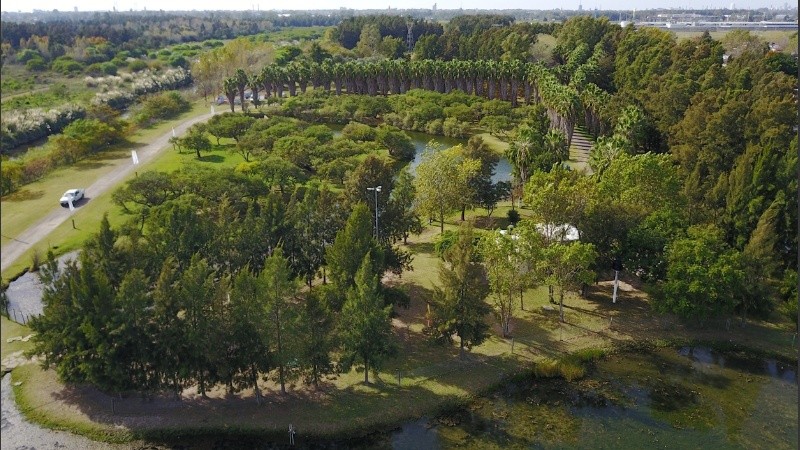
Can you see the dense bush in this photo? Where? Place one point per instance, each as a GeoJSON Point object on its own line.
{"type": "Point", "coordinates": [161, 106]}
{"type": "Point", "coordinates": [66, 65]}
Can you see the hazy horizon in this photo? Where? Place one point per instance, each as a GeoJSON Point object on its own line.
{"type": "Point", "coordinates": [241, 5]}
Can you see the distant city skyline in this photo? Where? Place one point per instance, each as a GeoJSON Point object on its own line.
{"type": "Point", "coordinates": [240, 5]}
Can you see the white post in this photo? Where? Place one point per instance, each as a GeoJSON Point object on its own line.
{"type": "Point", "coordinates": [173, 131]}
{"type": "Point", "coordinates": [616, 283]}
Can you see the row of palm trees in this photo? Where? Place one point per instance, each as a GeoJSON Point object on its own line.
{"type": "Point", "coordinates": [504, 80]}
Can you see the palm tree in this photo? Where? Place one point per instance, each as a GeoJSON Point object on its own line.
{"type": "Point", "coordinates": [338, 71]}
{"type": "Point", "coordinates": [242, 80]}
{"type": "Point", "coordinates": [267, 79]}
{"type": "Point", "coordinates": [229, 85]}
{"type": "Point", "coordinates": [255, 82]}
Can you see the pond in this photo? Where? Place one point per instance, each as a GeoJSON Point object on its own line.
{"type": "Point", "coordinates": [691, 397]}
{"type": "Point", "coordinates": [421, 141]}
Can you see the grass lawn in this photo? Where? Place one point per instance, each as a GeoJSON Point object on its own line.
{"type": "Point", "coordinates": [9, 330]}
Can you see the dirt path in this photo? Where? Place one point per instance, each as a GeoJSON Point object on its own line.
{"type": "Point", "coordinates": [38, 231]}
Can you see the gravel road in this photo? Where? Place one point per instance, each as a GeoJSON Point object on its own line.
{"type": "Point", "coordinates": [36, 232]}
{"type": "Point", "coordinates": [19, 434]}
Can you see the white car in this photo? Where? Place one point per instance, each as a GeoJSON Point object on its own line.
{"type": "Point", "coordinates": [72, 195]}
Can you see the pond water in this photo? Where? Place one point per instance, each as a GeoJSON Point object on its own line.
{"type": "Point", "coordinates": [421, 141]}
{"type": "Point", "coordinates": [691, 397]}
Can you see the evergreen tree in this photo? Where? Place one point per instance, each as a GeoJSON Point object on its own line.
{"type": "Point", "coordinates": [352, 244]}
{"type": "Point", "coordinates": [365, 327]}
{"type": "Point", "coordinates": [316, 335]}
{"type": "Point", "coordinates": [248, 352]}
{"type": "Point", "coordinates": [279, 289]}
{"type": "Point", "coordinates": [459, 302]}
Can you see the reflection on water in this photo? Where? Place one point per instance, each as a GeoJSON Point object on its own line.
{"type": "Point", "coordinates": [422, 140]}
{"type": "Point", "coordinates": [417, 435]}
{"type": "Point", "coordinates": [690, 398]}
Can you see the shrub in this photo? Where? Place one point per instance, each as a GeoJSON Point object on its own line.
{"type": "Point", "coordinates": [444, 241]}
{"type": "Point", "coordinates": [513, 216]}
{"type": "Point", "coordinates": [397, 142]}
{"type": "Point", "coordinates": [35, 65]}
{"type": "Point", "coordinates": [434, 127]}
{"type": "Point", "coordinates": [161, 106]}
{"type": "Point", "coordinates": [460, 112]}
{"type": "Point", "coordinates": [94, 70]}
{"type": "Point", "coordinates": [26, 55]}
{"type": "Point", "coordinates": [108, 68]}
{"type": "Point", "coordinates": [66, 65]}
{"type": "Point", "coordinates": [454, 128]}
{"type": "Point", "coordinates": [10, 176]}
{"type": "Point", "coordinates": [571, 370]}
{"type": "Point", "coordinates": [548, 368]}
{"type": "Point", "coordinates": [359, 132]}
{"type": "Point", "coordinates": [137, 65]}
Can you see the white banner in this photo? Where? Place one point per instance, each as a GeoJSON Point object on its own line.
{"type": "Point", "coordinates": [135, 157]}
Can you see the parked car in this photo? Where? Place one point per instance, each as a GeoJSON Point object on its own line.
{"type": "Point", "coordinates": [72, 195]}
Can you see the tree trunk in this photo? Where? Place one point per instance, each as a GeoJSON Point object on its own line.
{"type": "Point", "coordinates": [441, 222]}
{"type": "Point", "coordinates": [254, 376]}
{"type": "Point", "coordinates": [550, 294]}
{"type": "Point", "coordinates": [463, 210]}
{"type": "Point", "coordinates": [366, 371]}
{"type": "Point", "coordinates": [561, 304]}
{"type": "Point", "coordinates": [280, 351]}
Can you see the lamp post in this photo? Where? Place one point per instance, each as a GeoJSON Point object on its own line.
{"type": "Point", "coordinates": [376, 189]}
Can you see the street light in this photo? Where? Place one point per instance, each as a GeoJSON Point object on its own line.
{"type": "Point", "coordinates": [376, 189]}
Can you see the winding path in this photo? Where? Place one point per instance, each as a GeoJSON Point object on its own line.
{"type": "Point", "coordinates": [38, 231]}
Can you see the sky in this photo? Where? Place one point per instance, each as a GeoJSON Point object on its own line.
{"type": "Point", "coordinates": [181, 5]}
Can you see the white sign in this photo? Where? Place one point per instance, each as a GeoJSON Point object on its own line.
{"type": "Point", "coordinates": [135, 157]}
{"type": "Point", "coordinates": [173, 131]}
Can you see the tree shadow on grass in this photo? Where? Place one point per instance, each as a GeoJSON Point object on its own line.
{"type": "Point", "coordinates": [23, 195]}
{"type": "Point", "coordinates": [213, 159]}
{"type": "Point", "coordinates": [422, 247]}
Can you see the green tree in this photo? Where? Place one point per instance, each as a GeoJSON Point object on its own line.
{"type": "Point", "coordinates": [279, 289]}
{"type": "Point", "coordinates": [200, 302]}
{"type": "Point", "coordinates": [352, 244]}
{"type": "Point", "coordinates": [316, 335]}
{"type": "Point", "coordinates": [704, 275]}
{"type": "Point", "coordinates": [442, 181]}
{"type": "Point", "coordinates": [249, 330]}
{"type": "Point", "coordinates": [459, 305]}
{"type": "Point", "coordinates": [365, 326]}
{"type": "Point", "coordinates": [196, 140]}
{"type": "Point", "coordinates": [568, 268]}
{"type": "Point", "coordinates": [229, 125]}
